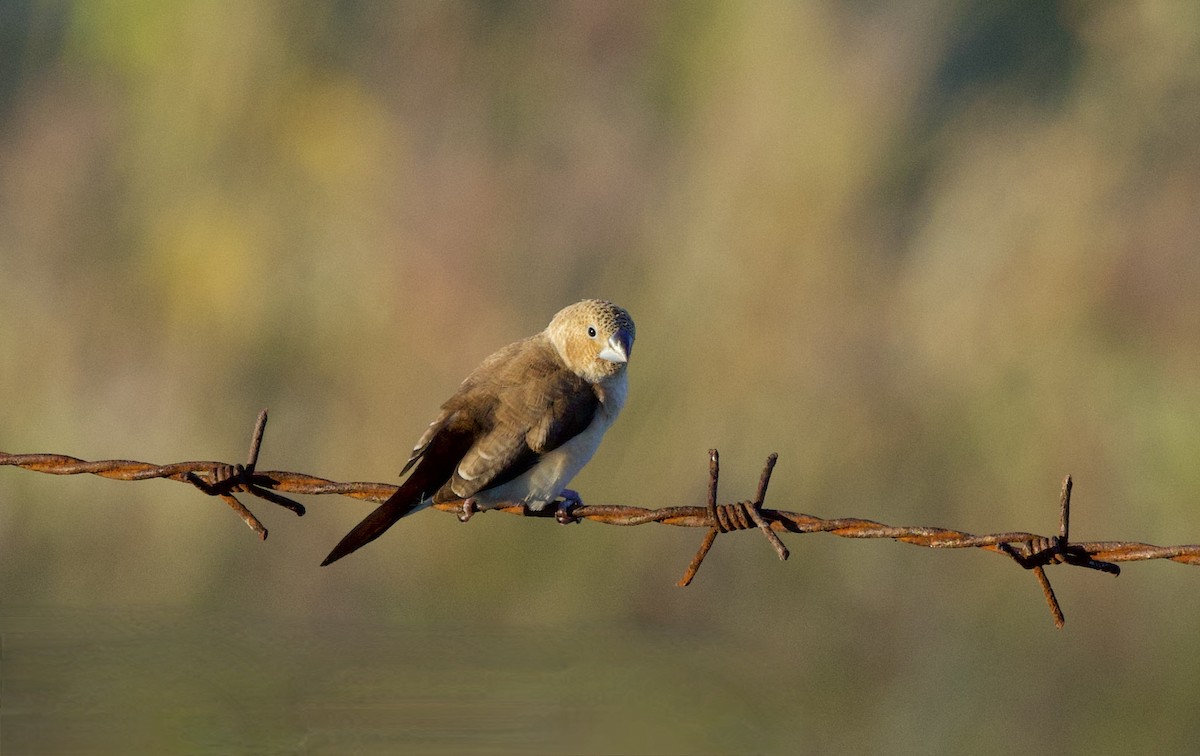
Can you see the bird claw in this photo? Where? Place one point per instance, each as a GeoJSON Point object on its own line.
{"type": "Point", "coordinates": [568, 501]}
{"type": "Point", "coordinates": [469, 510]}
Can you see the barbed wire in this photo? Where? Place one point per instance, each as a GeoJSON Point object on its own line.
{"type": "Point", "coordinates": [1029, 550]}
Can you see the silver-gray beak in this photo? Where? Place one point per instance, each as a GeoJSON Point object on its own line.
{"type": "Point", "coordinates": [617, 348]}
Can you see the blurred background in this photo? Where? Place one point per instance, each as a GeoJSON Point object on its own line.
{"type": "Point", "coordinates": [935, 254]}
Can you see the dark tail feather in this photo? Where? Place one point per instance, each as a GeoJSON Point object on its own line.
{"type": "Point", "coordinates": [384, 517]}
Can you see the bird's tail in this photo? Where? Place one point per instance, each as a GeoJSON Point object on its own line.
{"type": "Point", "coordinates": [401, 503]}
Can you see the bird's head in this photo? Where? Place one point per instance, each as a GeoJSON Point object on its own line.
{"type": "Point", "coordinates": [594, 337]}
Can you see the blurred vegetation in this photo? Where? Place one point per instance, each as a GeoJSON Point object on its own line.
{"type": "Point", "coordinates": [935, 254]}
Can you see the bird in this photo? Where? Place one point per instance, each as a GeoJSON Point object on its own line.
{"type": "Point", "coordinates": [520, 426]}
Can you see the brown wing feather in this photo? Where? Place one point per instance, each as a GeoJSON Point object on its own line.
{"type": "Point", "coordinates": [537, 405]}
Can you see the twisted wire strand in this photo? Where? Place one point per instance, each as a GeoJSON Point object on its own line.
{"type": "Point", "coordinates": [781, 521]}
{"type": "Point", "coordinates": [1030, 550]}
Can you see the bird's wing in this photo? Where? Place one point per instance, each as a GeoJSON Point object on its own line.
{"type": "Point", "coordinates": [535, 405]}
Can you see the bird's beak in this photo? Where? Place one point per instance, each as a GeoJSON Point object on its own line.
{"type": "Point", "coordinates": [617, 348]}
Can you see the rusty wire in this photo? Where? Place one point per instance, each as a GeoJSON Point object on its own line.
{"type": "Point", "coordinates": [1029, 550]}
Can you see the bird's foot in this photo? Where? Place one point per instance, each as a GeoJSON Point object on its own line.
{"type": "Point", "coordinates": [568, 500]}
{"type": "Point", "coordinates": [469, 510]}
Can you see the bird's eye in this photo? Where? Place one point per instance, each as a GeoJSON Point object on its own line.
{"type": "Point", "coordinates": [591, 332]}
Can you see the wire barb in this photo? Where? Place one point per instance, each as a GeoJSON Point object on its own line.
{"type": "Point", "coordinates": [1038, 552]}
{"type": "Point", "coordinates": [1030, 551]}
{"type": "Point", "coordinates": [742, 515]}
{"type": "Point", "coordinates": [224, 480]}
{"type": "Point", "coordinates": [714, 473]}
